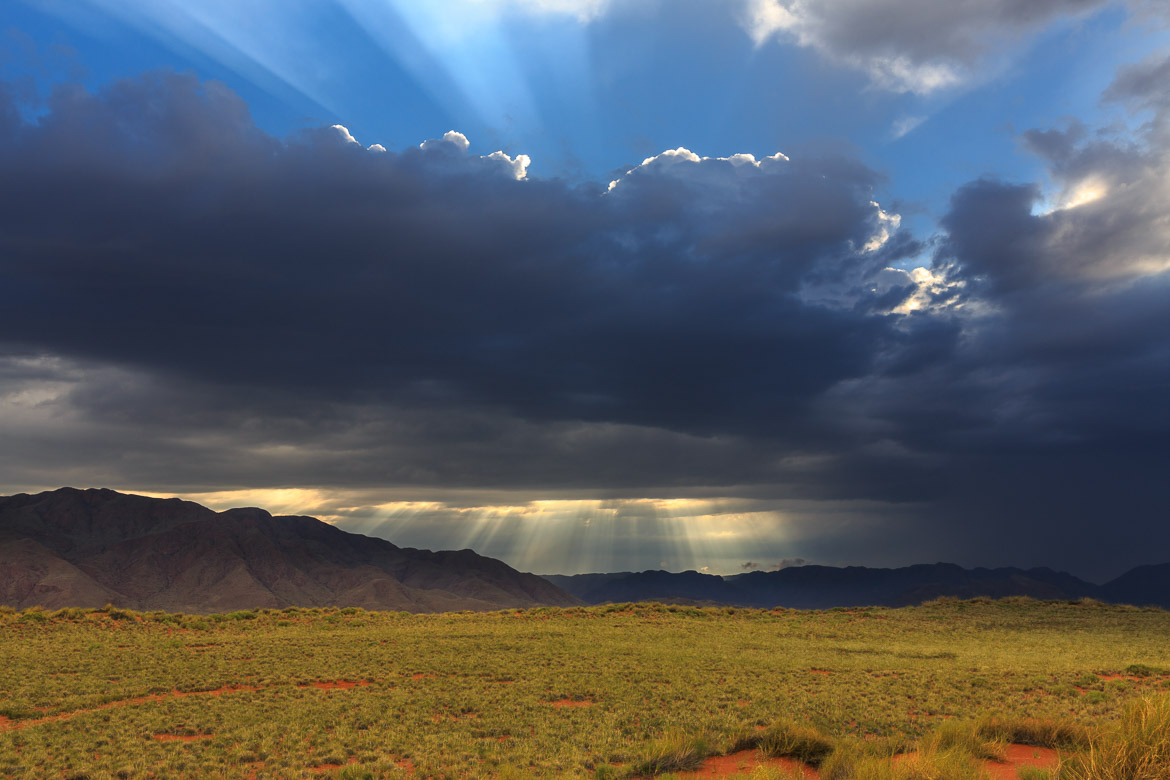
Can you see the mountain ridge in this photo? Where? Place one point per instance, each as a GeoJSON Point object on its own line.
{"type": "Point", "coordinates": [71, 547]}
{"type": "Point", "coordinates": [822, 587]}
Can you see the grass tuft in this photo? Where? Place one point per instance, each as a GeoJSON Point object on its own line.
{"type": "Point", "coordinates": [1063, 735]}
{"type": "Point", "coordinates": [967, 737]}
{"type": "Point", "coordinates": [788, 739]}
{"type": "Point", "coordinates": [1137, 747]}
{"type": "Point", "coordinates": [673, 753]}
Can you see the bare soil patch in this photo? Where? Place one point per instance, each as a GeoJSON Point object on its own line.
{"type": "Point", "coordinates": [743, 763]}
{"type": "Point", "coordinates": [1021, 755]}
{"type": "Point", "coordinates": [572, 703]}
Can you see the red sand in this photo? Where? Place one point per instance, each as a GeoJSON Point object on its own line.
{"type": "Point", "coordinates": [572, 703]}
{"type": "Point", "coordinates": [1018, 756]}
{"type": "Point", "coordinates": [743, 763]}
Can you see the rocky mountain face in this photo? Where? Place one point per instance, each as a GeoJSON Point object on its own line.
{"type": "Point", "coordinates": [73, 547]}
{"type": "Point", "coordinates": [821, 587]}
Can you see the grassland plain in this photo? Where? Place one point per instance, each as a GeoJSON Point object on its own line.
{"type": "Point", "coordinates": [580, 692]}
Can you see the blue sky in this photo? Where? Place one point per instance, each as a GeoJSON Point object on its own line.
{"type": "Point", "coordinates": [584, 92]}
{"type": "Point", "coordinates": [717, 359]}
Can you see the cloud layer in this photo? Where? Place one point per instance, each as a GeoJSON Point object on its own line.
{"type": "Point", "coordinates": [908, 45]}
{"type": "Point", "coordinates": [192, 304]}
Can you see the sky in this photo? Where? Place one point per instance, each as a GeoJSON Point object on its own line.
{"type": "Point", "coordinates": [601, 285]}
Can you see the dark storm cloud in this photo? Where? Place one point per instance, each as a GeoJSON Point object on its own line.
{"type": "Point", "coordinates": [191, 303]}
{"type": "Point", "coordinates": [1051, 414]}
{"type": "Point", "coordinates": [154, 226]}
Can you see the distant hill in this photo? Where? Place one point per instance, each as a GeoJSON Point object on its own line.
{"type": "Point", "coordinates": [73, 547]}
{"type": "Point", "coordinates": [1143, 585]}
{"type": "Point", "coordinates": [821, 587]}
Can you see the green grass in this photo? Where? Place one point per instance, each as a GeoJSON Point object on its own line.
{"type": "Point", "coordinates": [659, 688]}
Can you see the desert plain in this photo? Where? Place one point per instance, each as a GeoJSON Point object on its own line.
{"type": "Point", "coordinates": [949, 689]}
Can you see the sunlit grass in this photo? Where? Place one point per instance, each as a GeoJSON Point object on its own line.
{"type": "Point", "coordinates": [1135, 747]}
{"type": "Point", "coordinates": [585, 692]}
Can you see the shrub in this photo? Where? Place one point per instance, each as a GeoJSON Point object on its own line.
{"type": "Point", "coordinates": [33, 615]}
{"type": "Point", "coordinates": [1141, 670]}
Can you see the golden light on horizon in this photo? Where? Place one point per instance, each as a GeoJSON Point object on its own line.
{"type": "Point", "coordinates": [717, 534]}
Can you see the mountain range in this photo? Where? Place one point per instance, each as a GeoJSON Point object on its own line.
{"type": "Point", "coordinates": [72, 547]}
{"type": "Point", "coordinates": [822, 587]}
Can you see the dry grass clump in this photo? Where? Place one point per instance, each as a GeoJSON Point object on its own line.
{"type": "Point", "coordinates": [1136, 747]}
{"type": "Point", "coordinates": [675, 752]}
{"type": "Point", "coordinates": [854, 760]}
{"type": "Point", "coordinates": [788, 739]}
{"type": "Point", "coordinates": [964, 737]}
{"type": "Point", "coordinates": [1059, 734]}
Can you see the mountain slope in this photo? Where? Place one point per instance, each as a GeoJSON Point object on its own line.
{"type": "Point", "coordinates": [820, 587]}
{"type": "Point", "coordinates": [1143, 585]}
{"type": "Point", "coordinates": [73, 547]}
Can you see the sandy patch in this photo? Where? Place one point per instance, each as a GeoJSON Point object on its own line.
{"type": "Point", "coordinates": [1018, 756]}
{"type": "Point", "coordinates": [572, 703]}
{"type": "Point", "coordinates": [743, 762]}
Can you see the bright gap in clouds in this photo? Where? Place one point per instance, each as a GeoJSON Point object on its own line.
{"type": "Point", "coordinates": [558, 536]}
{"type": "Point", "coordinates": [580, 536]}
{"type": "Point", "coordinates": [1081, 194]}
{"type": "Point", "coordinates": [464, 51]}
